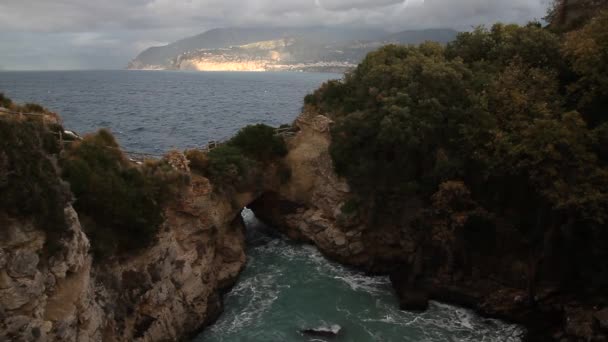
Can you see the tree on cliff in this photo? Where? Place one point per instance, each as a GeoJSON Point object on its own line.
{"type": "Point", "coordinates": [120, 204]}
{"type": "Point", "coordinates": [587, 52]}
{"type": "Point", "coordinates": [566, 15]}
{"type": "Point", "coordinates": [510, 110]}
{"type": "Point", "coordinates": [411, 103]}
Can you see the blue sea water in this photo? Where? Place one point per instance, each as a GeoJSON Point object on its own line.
{"type": "Point", "coordinates": [285, 287]}
{"type": "Point", "coordinates": [155, 111]}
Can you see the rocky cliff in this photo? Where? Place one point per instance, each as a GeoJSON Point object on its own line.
{"type": "Point", "coordinates": [172, 288]}
{"type": "Point", "coordinates": [164, 292]}
{"type": "Point", "coordinates": [427, 251]}
{"type": "Point", "coordinates": [308, 207]}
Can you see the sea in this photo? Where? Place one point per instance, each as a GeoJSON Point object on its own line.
{"type": "Point", "coordinates": [285, 287]}
{"type": "Point", "coordinates": [156, 111]}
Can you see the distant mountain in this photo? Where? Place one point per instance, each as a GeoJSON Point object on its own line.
{"type": "Point", "coordinates": [266, 49]}
{"type": "Point", "coordinates": [421, 36]}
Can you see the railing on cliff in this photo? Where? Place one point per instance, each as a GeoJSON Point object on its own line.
{"type": "Point", "coordinates": [285, 131]}
{"type": "Point", "coordinates": [8, 111]}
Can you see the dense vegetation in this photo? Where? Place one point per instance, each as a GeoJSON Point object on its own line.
{"type": "Point", "coordinates": [7, 103]}
{"type": "Point", "coordinates": [120, 203]}
{"type": "Point", "coordinates": [566, 15]}
{"type": "Point", "coordinates": [235, 161]}
{"type": "Point", "coordinates": [30, 186]}
{"type": "Point", "coordinates": [516, 112]}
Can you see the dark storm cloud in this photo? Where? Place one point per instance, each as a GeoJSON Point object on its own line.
{"type": "Point", "coordinates": [85, 30]}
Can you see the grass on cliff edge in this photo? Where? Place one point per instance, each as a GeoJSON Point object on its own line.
{"type": "Point", "coordinates": [233, 163]}
{"type": "Point", "coordinates": [120, 204]}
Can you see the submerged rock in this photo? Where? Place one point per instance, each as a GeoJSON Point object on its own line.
{"type": "Point", "coordinates": [330, 331]}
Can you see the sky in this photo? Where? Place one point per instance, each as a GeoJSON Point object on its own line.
{"type": "Point", "coordinates": [106, 34]}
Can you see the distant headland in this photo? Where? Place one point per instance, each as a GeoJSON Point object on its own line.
{"type": "Point", "coordinates": [278, 49]}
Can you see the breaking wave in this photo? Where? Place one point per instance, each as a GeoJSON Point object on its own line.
{"type": "Point", "coordinates": [289, 287]}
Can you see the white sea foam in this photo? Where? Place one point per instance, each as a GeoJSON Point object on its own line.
{"type": "Point", "coordinates": [367, 311]}
{"type": "Point", "coordinates": [259, 292]}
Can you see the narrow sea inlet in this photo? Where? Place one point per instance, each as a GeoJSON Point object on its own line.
{"type": "Point", "coordinates": [285, 287]}
{"type": "Point", "coordinates": [288, 287]}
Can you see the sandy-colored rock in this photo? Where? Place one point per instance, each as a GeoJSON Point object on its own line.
{"type": "Point", "coordinates": [158, 294]}
{"type": "Point", "coordinates": [23, 263]}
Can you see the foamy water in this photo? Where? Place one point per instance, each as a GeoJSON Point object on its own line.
{"type": "Point", "coordinates": [287, 287]}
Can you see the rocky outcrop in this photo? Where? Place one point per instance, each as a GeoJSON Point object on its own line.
{"type": "Point", "coordinates": [312, 205]}
{"type": "Point", "coordinates": [450, 250]}
{"type": "Point", "coordinates": [163, 292]}
{"type": "Point", "coordinates": [41, 297]}
{"type": "Point", "coordinates": [308, 207]}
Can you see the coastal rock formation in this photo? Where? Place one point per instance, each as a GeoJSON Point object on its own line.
{"type": "Point", "coordinates": [453, 250]}
{"type": "Point", "coordinates": [38, 295]}
{"type": "Point", "coordinates": [307, 208]}
{"type": "Point", "coordinates": [312, 205]}
{"type": "Point", "coordinates": [163, 292]}
{"type": "Point", "coordinates": [445, 250]}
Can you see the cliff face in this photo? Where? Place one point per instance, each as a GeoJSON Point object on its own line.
{"type": "Point", "coordinates": [172, 288]}
{"type": "Point", "coordinates": [164, 292]}
{"type": "Point", "coordinates": [311, 206]}
{"type": "Point", "coordinates": [572, 14]}
{"type": "Point", "coordinates": [39, 295]}
{"type": "Point", "coordinates": [427, 249]}
{"type": "Point", "coordinates": [307, 208]}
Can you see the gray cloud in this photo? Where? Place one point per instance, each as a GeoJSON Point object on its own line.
{"type": "Point", "coordinates": [342, 5]}
{"type": "Point", "coordinates": [106, 34]}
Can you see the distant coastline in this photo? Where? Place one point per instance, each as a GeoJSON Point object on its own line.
{"type": "Point", "coordinates": [321, 67]}
{"type": "Point", "coordinates": [278, 49]}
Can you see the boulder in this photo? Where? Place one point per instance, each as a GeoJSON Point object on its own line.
{"type": "Point", "coordinates": [330, 331]}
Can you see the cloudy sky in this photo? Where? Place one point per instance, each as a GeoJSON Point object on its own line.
{"type": "Point", "coordinates": [93, 34]}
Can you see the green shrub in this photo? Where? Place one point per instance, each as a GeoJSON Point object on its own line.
{"type": "Point", "coordinates": [121, 202]}
{"type": "Point", "coordinates": [259, 142]}
{"type": "Point", "coordinates": [29, 182]}
{"type": "Point", "coordinates": [240, 159]}
{"type": "Point", "coordinates": [494, 107]}
{"type": "Point", "coordinates": [587, 52]}
{"type": "Point", "coordinates": [5, 101]}
{"type": "Point", "coordinates": [199, 161]}
{"type": "Point", "coordinates": [163, 180]}
{"type": "Point", "coordinates": [33, 108]}
{"type": "Point", "coordinates": [412, 102]}
{"type": "Point", "coordinates": [227, 166]}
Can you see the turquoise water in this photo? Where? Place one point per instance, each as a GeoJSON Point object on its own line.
{"type": "Point", "coordinates": [287, 287]}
